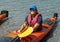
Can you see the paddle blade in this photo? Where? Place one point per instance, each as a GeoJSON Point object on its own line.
{"type": "Point", "coordinates": [12, 34]}
{"type": "Point", "coordinates": [27, 32]}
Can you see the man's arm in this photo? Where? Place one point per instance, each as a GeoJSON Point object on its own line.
{"type": "Point", "coordinates": [23, 25]}
{"type": "Point", "coordinates": [35, 26]}
{"type": "Point", "coordinates": [39, 22]}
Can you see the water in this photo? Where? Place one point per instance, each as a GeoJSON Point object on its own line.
{"type": "Point", "coordinates": [18, 9]}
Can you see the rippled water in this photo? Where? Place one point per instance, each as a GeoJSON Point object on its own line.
{"type": "Point", "coordinates": [18, 9]}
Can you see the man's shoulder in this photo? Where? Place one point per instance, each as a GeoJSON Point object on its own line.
{"type": "Point", "coordinates": [40, 15]}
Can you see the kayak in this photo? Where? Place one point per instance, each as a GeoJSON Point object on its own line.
{"type": "Point", "coordinates": [3, 15]}
{"type": "Point", "coordinates": [37, 36]}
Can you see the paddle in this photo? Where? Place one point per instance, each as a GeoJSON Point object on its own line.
{"type": "Point", "coordinates": [15, 39]}
{"type": "Point", "coordinates": [23, 33]}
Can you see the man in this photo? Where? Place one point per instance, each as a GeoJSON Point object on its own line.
{"type": "Point", "coordinates": [34, 19]}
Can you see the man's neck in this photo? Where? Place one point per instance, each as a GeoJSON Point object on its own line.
{"type": "Point", "coordinates": [33, 15]}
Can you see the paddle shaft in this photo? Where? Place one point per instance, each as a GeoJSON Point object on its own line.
{"type": "Point", "coordinates": [15, 39]}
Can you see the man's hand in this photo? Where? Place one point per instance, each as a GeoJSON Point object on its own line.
{"type": "Point", "coordinates": [17, 31]}
{"type": "Point", "coordinates": [35, 26]}
{"type": "Point", "coordinates": [21, 28]}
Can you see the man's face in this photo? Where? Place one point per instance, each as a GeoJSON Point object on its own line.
{"type": "Point", "coordinates": [32, 12]}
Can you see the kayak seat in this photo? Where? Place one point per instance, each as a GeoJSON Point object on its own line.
{"type": "Point", "coordinates": [44, 25]}
{"type": "Point", "coordinates": [47, 21]}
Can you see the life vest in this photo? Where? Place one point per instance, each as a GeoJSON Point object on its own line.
{"type": "Point", "coordinates": [33, 21]}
